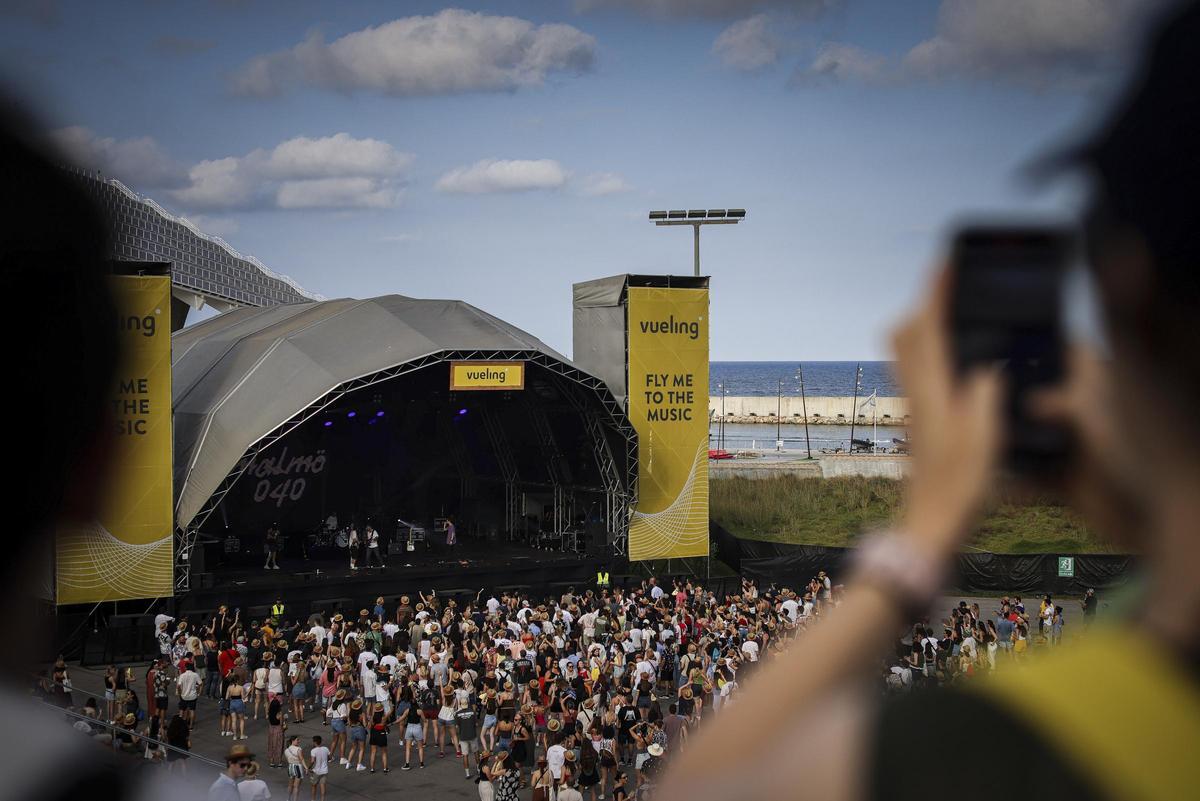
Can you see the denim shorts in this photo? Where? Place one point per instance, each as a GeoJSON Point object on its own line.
{"type": "Point", "coordinates": [339, 725]}
{"type": "Point", "coordinates": [299, 692]}
{"type": "Point", "coordinates": [358, 734]}
{"type": "Point", "coordinates": [237, 706]}
{"type": "Point", "coordinates": [489, 721]}
{"type": "Point", "coordinates": [413, 732]}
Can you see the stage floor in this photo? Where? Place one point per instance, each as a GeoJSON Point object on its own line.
{"type": "Point", "coordinates": [325, 581]}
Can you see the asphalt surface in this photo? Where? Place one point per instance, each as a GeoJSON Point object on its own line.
{"type": "Point", "coordinates": [442, 778]}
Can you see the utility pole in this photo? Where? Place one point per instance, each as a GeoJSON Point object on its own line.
{"type": "Point", "coordinates": [804, 409]}
{"type": "Point", "coordinates": [854, 405]}
{"type": "Point", "coordinates": [778, 421]}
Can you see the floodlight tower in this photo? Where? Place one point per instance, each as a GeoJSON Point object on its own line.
{"type": "Point", "coordinates": [697, 218]}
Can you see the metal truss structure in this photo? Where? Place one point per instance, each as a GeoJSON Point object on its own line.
{"type": "Point", "coordinates": [513, 508]}
{"type": "Point", "coordinates": [620, 486]}
{"type": "Point", "coordinates": [555, 465]}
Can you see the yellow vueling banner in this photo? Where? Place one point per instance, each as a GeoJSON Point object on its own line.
{"type": "Point", "coordinates": [668, 405]}
{"type": "Point", "coordinates": [128, 552]}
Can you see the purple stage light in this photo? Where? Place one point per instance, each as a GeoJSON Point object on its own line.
{"type": "Point", "coordinates": [379, 414]}
{"type": "Point", "coordinates": [462, 412]}
{"type": "Point", "coordinates": [351, 414]}
{"type": "Point", "coordinates": [328, 423]}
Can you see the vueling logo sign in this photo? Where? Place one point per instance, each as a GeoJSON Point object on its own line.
{"type": "Point", "coordinates": [671, 326]}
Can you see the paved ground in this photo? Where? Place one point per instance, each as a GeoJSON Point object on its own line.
{"type": "Point", "coordinates": [441, 778]}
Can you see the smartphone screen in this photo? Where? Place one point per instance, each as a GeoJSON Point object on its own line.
{"type": "Point", "coordinates": [1007, 310]}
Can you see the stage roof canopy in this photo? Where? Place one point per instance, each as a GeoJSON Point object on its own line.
{"type": "Point", "coordinates": [241, 375]}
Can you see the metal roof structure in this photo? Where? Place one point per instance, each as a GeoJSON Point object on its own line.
{"type": "Point", "coordinates": [247, 377]}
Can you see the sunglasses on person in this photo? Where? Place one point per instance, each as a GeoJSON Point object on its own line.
{"type": "Point", "coordinates": [242, 764]}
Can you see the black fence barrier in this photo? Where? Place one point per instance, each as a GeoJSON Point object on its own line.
{"type": "Point", "coordinates": [973, 574]}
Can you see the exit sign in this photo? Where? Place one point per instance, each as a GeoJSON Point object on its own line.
{"type": "Point", "coordinates": [1066, 567]}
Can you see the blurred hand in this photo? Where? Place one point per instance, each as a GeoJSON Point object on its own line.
{"type": "Point", "coordinates": [957, 427]}
{"type": "Point", "coordinates": [1094, 484]}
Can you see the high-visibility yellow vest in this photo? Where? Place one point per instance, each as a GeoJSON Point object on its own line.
{"type": "Point", "coordinates": [276, 610]}
{"type": "Point", "coordinates": [1112, 681]}
{"type": "Point", "coordinates": [601, 578]}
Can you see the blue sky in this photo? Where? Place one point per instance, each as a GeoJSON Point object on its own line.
{"type": "Point", "coordinates": [500, 152]}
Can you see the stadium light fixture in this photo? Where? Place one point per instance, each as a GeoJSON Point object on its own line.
{"type": "Point", "coordinates": [697, 218]}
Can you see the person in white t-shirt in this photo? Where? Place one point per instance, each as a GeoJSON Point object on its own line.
{"type": "Point", "coordinates": [790, 608]}
{"type": "Point", "coordinates": [318, 765]}
{"type": "Point", "coordinates": [750, 649]}
{"type": "Point", "coordinates": [188, 687]}
{"type": "Point", "coordinates": [252, 788]}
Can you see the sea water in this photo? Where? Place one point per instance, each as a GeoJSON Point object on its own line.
{"type": "Point", "coordinates": [820, 378]}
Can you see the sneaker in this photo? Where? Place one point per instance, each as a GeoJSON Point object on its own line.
{"type": "Point", "coordinates": [372, 770]}
{"type": "Point", "coordinates": [406, 766]}
{"type": "Point", "coordinates": [343, 761]}
{"type": "Point", "coordinates": [346, 765]}
{"type": "Point", "coordinates": [361, 767]}
{"type": "Point", "coordinates": [385, 770]}
{"type": "Point", "coordinates": [422, 764]}
{"type": "Point", "coordinates": [441, 754]}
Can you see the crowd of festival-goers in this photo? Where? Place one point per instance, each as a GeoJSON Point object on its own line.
{"type": "Point", "coordinates": [586, 692]}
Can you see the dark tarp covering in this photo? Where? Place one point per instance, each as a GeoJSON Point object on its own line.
{"type": "Point", "coordinates": [975, 573]}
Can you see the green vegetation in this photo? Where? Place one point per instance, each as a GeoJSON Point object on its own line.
{"type": "Point", "coordinates": [818, 511]}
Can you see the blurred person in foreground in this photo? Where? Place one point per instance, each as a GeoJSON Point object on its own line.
{"type": "Point", "coordinates": [1115, 714]}
{"type": "Point", "coordinates": [61, 354]}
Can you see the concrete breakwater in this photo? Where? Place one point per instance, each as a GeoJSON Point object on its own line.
{"type": "Point", "coordinates": [821, 409]}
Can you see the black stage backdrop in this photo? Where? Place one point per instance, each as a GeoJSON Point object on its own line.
{"type": "Point", "coordinates": [975, 573]}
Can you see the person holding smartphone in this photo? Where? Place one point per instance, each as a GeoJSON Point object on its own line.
{"type": "Point", "coordinates": [1056, 717]}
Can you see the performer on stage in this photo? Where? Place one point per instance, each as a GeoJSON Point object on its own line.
{"type": "Point", "coordinates": [373, 547]}
{"type": "Point", "coordinates": [272, 548]}
{"type": "Point", "coordinates": [451, 534]}
{"type": "Point", "coordinates": [353, 548]}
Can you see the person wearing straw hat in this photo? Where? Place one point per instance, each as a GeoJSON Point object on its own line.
{"type": "Point", "coordinates": [338, 712]}
{"type": "Point", "coordinates": [358, 736]}
{"type": "Point", "coordinates": [484, 777]}
{"type": "Point", "coordinates": [491, 708]}
{"type": "Point", "coordinates": [225, 788]}
{"type": "Point", "coordinates": [556, 753]}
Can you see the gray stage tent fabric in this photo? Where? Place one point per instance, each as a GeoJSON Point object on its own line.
{"type": "Point", "coordinates": [240, 375]}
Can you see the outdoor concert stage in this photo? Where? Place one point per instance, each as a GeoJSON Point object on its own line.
{"type": "Point", "coordinates": [313, 418]}
{"type": "Point", "coordinates": [325, 582]}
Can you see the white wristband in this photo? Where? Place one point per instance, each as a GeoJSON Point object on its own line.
{"type": "Point", "coordinates": [890, 562]}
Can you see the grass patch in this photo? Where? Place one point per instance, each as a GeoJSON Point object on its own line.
{"type": "Point", "coordinates": [834, 512]}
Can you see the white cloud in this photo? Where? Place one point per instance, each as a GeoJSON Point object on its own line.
{"type": "Point", "coordinates": [502, 175]}
{"type": "Point", "coordinates": [603, 183]}
{"type": "Point", "coordinates": [748, 44]}
{"type": "Point", "coordinates": [139, 162]}
{"type": "Point", "coordinates": [336, 171]}
{"type": "Point", "coordinates": [336, 193]}
{"type": "Point", "coordinates": [450, 52]}
{"type": "Point", "coordinates": [1036, 42]}
{"type": "Point", "coordinates": [333, 156]}
{"type": "Point", "coordinates": [836, 61]}
{"type": "Point", "coordinates": [720, 9]}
